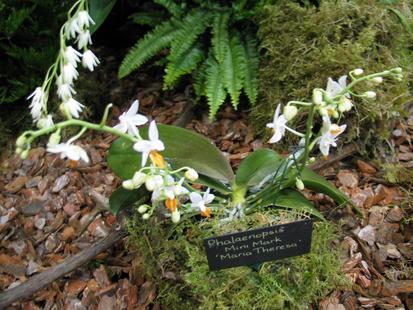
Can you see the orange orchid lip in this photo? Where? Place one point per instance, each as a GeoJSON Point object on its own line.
{"type": "Point", "coordinates": [157, 159]}
{"type": "Point", "coordinates": [171, 204]}
{"type": "Point", "coordinates": [207, 212]}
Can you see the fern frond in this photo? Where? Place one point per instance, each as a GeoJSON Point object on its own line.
{"type": "Point", "coordinates": [185, 64]}
{"type": "Point", "coordinates": [14, 21]}
{"type": "Point", "coordinates": [220, 37]}
{"type": "Point", "coordinates": [192, 26]}
{"type": "Point", "coordinates": [171, 7]}
{"type": "Point", "coordinates": [251, 61]}
{"type": "Point", "coordinates": [200, 79]}
{"type": "Point", "coordinates": [147, 47]}
{"type": "Point", "coordinates": [232, 69]}
{"type": "Point", "coordinates": [214, 88]}
{"type": "Point", "coordinates": [147, 18]}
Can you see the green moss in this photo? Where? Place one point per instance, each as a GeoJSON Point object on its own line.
{"type": "Point", "coordinates": [397, 174]}
{"type": "Point", "coordinates": [291, 283]}
{"type": "Point", "coordinates": [305, 46]}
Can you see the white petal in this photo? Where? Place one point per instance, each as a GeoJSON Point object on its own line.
{"type": "Point", "coordinates": [144, 158]}
{"type": "Point", "coordinates": [342, 81]}
{"type": "Point", "coordinates": [133, 109]}
{"type": "Point", "coordinates": [195, 197]}
{"type": "Point", "coordinates": [276, 137]}
{"type": "Point", "coordinates": [143, 146]}
{"type": "Point", "coordinates": [138, 119]}
{"type": "Point", "coordinates": [158, 145]}
{"type": "Point", "coordinates": [276, 113]}
{"type": "Point", "coordinates": [153, 132]}
{"type": "Point", "coordinates": [121, 127]}
{"type": "Point", "coordinates": [209, 198]}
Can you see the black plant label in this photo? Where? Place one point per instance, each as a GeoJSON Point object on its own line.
{"type": "Point", "coordinates": [259, 245]}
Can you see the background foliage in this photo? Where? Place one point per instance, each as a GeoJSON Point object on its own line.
{"type": "Point", "coordinates": [28, 45]}
{"type": "Point", "coordinates": [212, 40]}
{"type": "Point", "coordinates": [304, 45]}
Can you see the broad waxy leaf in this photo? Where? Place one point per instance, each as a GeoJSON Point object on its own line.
{"type": "Point", "coordinates": [182, 148]}
{"type": "Point", "coordinates": [256, 166]}
{"type": "Point", "coordinates": [99, 10]}
{"type": "Point", "coordinates": [292, 199]}
{"type": "Point", "coordinates": [123, 198]}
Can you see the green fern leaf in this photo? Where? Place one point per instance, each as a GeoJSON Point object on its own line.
{"type": "Point", "coordinates": [171, 6]}
{"type": "Point", "coordinates": [214, 88]}
{"type": "Point", "coordinates": [232, 69]}
{"type": "Point", "coordinates": [185, 64]}
{"type": "Point", "coordinates": [147, 47]}
{"type": "Point", "coordinates": [147, 18]}
{"type": "Point", "coordinates": [200, 79]}
{"type": "Point", "coordinates": [193, 25]}
{"type": "Point", "coordinates": [251, 61]}
{"type": "Point", "coordinates": [220, 40]}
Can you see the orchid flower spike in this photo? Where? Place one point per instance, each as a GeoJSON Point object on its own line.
{"type": "Point", "coordinates": [38, 100]}
{"type": "Point", "coordinates": [277, 125]}
{"type": "Point", "coordinates": [131, 119]}
{"type": "Point", "coordinates": [329, 134]}
{"type": "Point", "coordinates": [152, 145]}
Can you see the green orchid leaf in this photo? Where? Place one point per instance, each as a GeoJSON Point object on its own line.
{"type": "Point", "coordinates": [99, 10]}
{"type": "Point", "coordinates": [123, 198]}
{"type": "Point", "coordinates": [318, 184]}
{"type": "Point", "coordinates": [182, 148]}
{"type": "Point", "coordinates": [256, 166]}
{"type": "Point", "coordinates": [292, 199]}
{"type": "Point", "coordinates": [213, 183]}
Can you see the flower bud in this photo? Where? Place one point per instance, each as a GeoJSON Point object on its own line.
{"type": "Point", "coordinates": [128, 184]}
{"type": "Point", "coordinates": [311, 160]}
{"type": "Point", "coordinates": [153, 182]}
{"type": "Point", "coordinates": [138, 179]}
{"type": "Point", "coordinates": [299, 184]}
{"type": "Point", "coordinates": [290, 112]}
{"type": "Point", "coordinates": [146, 216]}
{"type": "Point", "coordinates": [21, 141]}
{"type": "Point", "coordinates": [358, 71]}
{"type": "Point", "coordinates": [191, 174]}
{"type": "Point", "coordinates": [54, 139]}
{"type": "Point", "coordinates": [370, 94]}
{"type": "Point", "coordinates": [143, 208]}
{"type": "Point", "coordinates": [24, 154]}
{"type": "Point", "coordinates": [377, 80]}
{"type": "Point", "coordinates": [317, 97]}
{"type": "Point", "coordinates": [397, 70]}
{"type": "Point", "coordinates": [175, 216]}
{"type": "Point", "coordinates": [18, 150]}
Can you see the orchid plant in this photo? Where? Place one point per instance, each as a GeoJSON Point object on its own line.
{"type": "Point", "coordinates": [173, 172]}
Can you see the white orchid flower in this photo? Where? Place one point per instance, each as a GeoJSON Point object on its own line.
{"type": "Point", "coordinates": [89, 60]}
{"type": "Point", "coordinates": [73, 152]}
{"type": "Point", "coordinates": [84, 19]}
{"type": "Point", "coordinates": [334, 88]}
{"type": "Point", "coordinates": [69, 73]}
{"type": "Point", "coordinates": [38, 100]}
{"type": "Point", "coordinates": [71, 28]}
{"type": "Point", "coordinates": [329, 134]}
{"type": "Point", "coordinates": [147, 146]}
{"type": "Point", "coordinates": [64, 90]}
{"type": "Point", "coordinates": [200, 202]}
{"type": "Point", "coordinates": [45, 122]}
{"type": "Point", "coordinates": [83, 39]}
{"type": "Point", "coordinates": [277, 125]}
{"type": "Point", "coordinates": [73, 106]}
{"type": "Point", "coordinates": [72, 56]}
{"type": "Point", "coordinates": [131, 119]}
{"type": "Point", "coordinates": [170, 189]}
